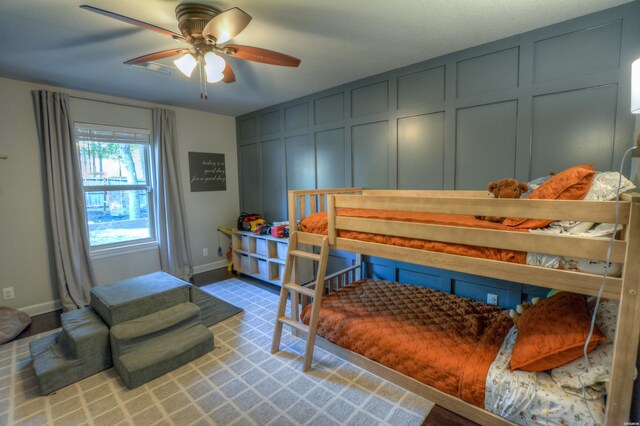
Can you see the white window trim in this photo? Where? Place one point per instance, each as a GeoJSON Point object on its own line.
{"type": "Point", "coordinates": [136, 246]}
{"type": "Point", "coordinates": [131, 246]}
{"type": "Point", "coordinates": [90, 126]}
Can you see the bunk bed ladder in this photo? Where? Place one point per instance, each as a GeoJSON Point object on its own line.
{"type": "Point", "coordinates": [291, 286]}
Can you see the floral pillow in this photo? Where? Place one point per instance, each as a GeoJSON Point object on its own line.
{"type": "Point", "coordinates": [568, 376]}
{"type": "Point", "coordinates": [605, 186]}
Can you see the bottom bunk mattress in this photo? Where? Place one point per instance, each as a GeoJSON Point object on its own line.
{"type": "Point", "coordinates": [456, 345]}
{"type": "Point", "coordinates": [437, 338]}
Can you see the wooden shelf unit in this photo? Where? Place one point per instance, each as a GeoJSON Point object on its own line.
{"type": "Point", "coordinates": [260, 256]}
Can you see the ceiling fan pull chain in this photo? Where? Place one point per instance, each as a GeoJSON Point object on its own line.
{"type": "Point", "coordinates": [200, 78]}
{"type": "Point", "coordinates": [203, 83]}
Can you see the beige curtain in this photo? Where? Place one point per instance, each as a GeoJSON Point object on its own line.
{"type": "Point", "coordinates": [173, 238]}
{"type": "Point", "coordinates": [70, 238]}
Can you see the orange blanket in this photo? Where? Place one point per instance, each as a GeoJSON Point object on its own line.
{"type": "Point", "coordinates": [437, 338]}
{"type": "Point", "coordinates": [317, 224]}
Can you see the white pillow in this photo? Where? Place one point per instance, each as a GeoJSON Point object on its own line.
{"type": "Point", "coordinates": [607, 318]}
{"type": "Point", "coordinates": [12, 322]}
{"type": "Point", "coordinates": [573, 227]}
{"type": "Point", "coordinates": [600, 360]}
{"type": "Point", "coordinates": [604, 187]}
{"type": "Point", "coordinates": [605, 184]}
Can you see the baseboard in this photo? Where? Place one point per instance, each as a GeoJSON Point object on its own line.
{"type": "Point", "coordinates": [43, 308]}
{"type": "Point", "coordinates": [210, 266]}
{"type": "Point", "coordinates": [54, 305]}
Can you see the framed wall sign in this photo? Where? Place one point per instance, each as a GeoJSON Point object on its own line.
{"type": "Point", "coordinates": [207, 172]}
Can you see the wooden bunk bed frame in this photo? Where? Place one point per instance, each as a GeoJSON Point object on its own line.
{"type": "Point", "coordinates": [625, 250]}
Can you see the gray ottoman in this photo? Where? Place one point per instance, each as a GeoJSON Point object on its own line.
{"type": "Point", "coordinates": [154, 328]}
{"type": "Point", "coordinates": [138, 296]}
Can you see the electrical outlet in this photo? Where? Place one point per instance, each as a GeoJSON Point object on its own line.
{"type": "Point", "coordinates": [205, 252]}
{"type": "Point", "coordinates": [492, 299]}
{"type": "Point", "coordinates": [8, 293]}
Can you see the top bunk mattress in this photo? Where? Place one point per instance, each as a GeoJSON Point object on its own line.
{"type": "Point", "coordinates": [317, 223]}
{"type": "Point", "coordinates": [575, 183]}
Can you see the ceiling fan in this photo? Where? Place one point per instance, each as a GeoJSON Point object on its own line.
{"type": "Point", "coordinates": [207, 30]}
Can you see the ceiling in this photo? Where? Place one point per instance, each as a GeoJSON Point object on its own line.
{"type": "Point", "coordinates": [338, 41]}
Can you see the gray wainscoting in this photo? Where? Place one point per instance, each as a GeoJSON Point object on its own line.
{"type": "Point", "coordinates": [518, 107]}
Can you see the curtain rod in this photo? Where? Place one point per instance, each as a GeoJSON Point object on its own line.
{"type": "Point", "coordinates": [110, 102]}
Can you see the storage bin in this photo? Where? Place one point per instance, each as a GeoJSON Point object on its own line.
{"type": "Point", "coordinates": [244, 243]}
{"type": "Point", "coordinates": [282, 250]}
{"type": "Point", "coordinates": [262, 268]}
{"type": "Point", "coordinates": [261, 247]}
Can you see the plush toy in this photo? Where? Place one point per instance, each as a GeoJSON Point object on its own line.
{"type": "Point", "coordinates": [505, 188]}
{"type": "Point", "coordinates": [519, 310]}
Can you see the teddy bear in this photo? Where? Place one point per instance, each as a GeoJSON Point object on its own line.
{"type": "Point", "coordinates": [505, 188]}
{"type": "Point", "coordinates": [515, 313]}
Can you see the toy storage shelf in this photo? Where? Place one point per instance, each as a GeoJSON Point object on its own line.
{"type": "Point", "coordinates": [259, 256]}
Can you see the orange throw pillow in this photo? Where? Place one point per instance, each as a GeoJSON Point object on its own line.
{"type": "Point", "coordinates": [570, 184]}
{"type": "Point", "coordinates": [552, 333]}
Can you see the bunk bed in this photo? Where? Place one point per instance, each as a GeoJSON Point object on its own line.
{"type": "Point", "coordinates": [344, 229]}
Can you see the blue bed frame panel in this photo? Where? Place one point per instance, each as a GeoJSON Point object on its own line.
{"type": "Point", "coordinates": [470, 286]}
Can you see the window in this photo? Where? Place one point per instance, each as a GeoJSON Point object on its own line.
{"type": "Point", "coordinates": [117, 186]}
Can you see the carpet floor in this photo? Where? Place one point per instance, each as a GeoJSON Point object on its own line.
{"type": "Point", "coordinates": [238, 383]}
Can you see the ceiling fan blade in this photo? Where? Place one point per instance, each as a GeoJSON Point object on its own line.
{"type": "Point", "coordinates": [229, 75]}
{"type": "Point", "coordinates": [155, 56]}
{"type": "Point", "coordinates": [227, 25]}
{"type": "Point", "coordinates": [265, 56]}
{"type": "Point", "coordinates": [132, 21]}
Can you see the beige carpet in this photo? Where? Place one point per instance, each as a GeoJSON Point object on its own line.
{"type": "Point", "coordinates": [239, 383]}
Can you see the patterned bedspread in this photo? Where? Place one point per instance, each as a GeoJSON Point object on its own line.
{"type": "Point", "coordinates": [437, 338]}
{"type": "Point", "coordinates": [534, 398]}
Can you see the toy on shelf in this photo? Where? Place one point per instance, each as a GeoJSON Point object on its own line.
{"type": "Point", "coordinates": [227, 232]}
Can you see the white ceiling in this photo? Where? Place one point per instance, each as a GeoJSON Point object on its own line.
{"type": "Point", "coordinates": [338, 41]}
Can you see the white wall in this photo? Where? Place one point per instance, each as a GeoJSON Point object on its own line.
{"type": "Point", "coordinates": [25, 256]}
{"type": "Point", "coordinates": [24, 252]}
{"type": "Point", "coordinates": [217, 134]}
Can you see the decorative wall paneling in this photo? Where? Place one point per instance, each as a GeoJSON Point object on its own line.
{"type": "Point", "coordinates": [522, 107]}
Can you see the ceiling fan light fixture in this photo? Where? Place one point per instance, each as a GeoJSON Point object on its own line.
{"type": "Point", "coordinates": [213, 63]}
{"type": "Point", "coordinates": [214, 77]}
{"type": "Point", "coordinates": [186, 64]}
{"type": "Point", "coordinates": [205, 29]}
